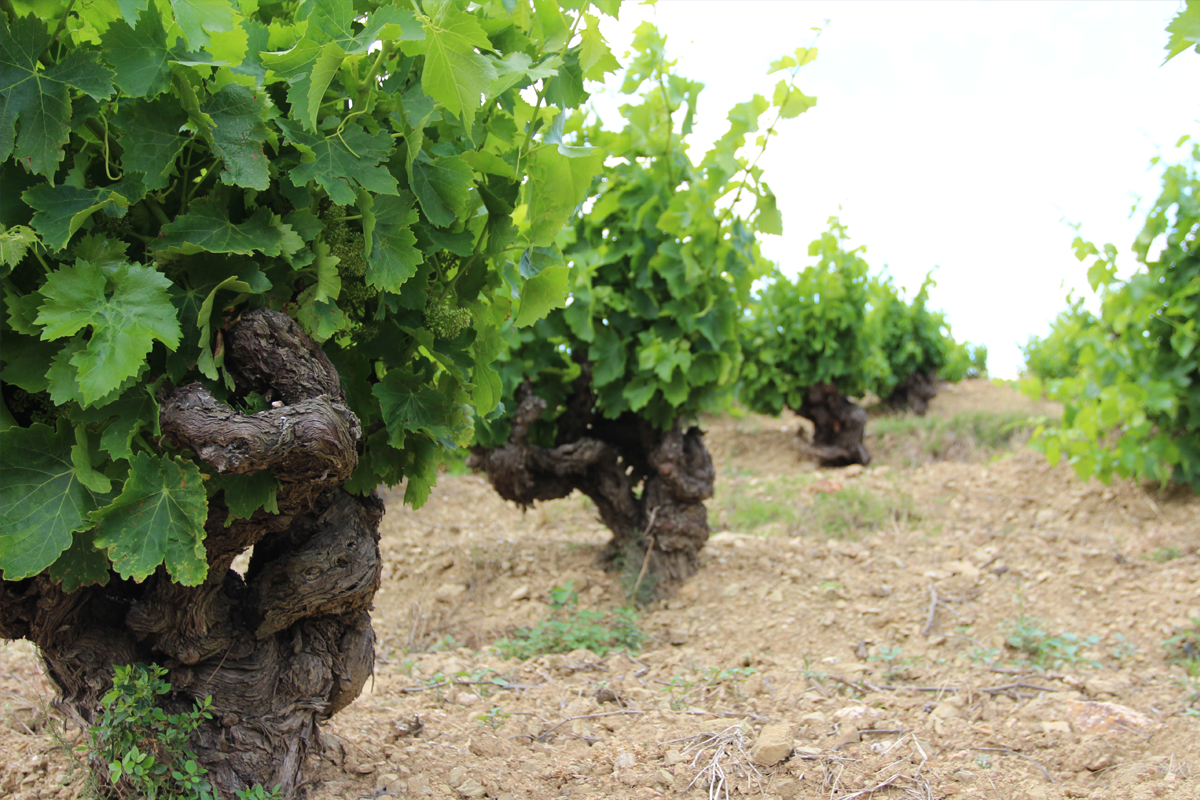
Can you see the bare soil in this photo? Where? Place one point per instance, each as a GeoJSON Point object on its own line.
{"type": "Point", "coordinates": [882, 652]}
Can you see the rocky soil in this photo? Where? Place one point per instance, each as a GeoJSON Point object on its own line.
{"type": "Point", "coordinates": [981, 627]}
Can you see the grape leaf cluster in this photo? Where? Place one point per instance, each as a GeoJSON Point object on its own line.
{"type": "Point", "coordinates": [169, 166]}
{"type": "Point", "coordinates": [1129, 377]}
{"type": "Point", "coordinates": [662, 262]}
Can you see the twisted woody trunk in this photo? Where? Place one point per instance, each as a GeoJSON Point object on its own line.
{"type": "Point", "coordinates": [279, 649]}
{"type": "Point", "coordinates": [649, 485]}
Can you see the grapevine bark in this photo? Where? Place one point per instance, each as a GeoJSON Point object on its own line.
{"type": "Point", "coordinates": [665, 525]}
{"type": "Point", "coordinates": [839, 426]}
{"type": "Point", "coordinates": [284, 646]}
{"type": "Point", "coordinates": [915, 392]}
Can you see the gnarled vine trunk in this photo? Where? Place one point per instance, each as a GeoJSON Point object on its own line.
{"type": "Point", "coordinates": [279, 649]}
{"type": "Point", "coordinates": [839, 426]}
{"type": "Point", "coordinates": [915, 392]}
{"type": "Point", "coordinates": [609, 460]}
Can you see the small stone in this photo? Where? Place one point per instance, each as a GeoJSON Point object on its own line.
{"type": "Point", "coordinates": [773, 745]}
{"type": "Point", "coordinates": [1098, 686]}
{"type": "Point", "coordinates": [486, 745]}
{"type": "Point", "coordinates": [672, 758]}
{"type": "Point", "coordinates": [457, 776]}
{"type": "Point", "coordinates": [419, 784]}
{"type": "Point", "coordinates": [1054, 726]}
{"type": "Point", "coordinates": [1045, 516]}
{"type": "Point", "coordinates": [624, 760]}
{"type": "Point", "coordinates": [787, 788]}
{"type": "Point", "coordinates": [365, 769]}
{"type": "Point", "coordinates": [520, 593]}
{"type": "Point", "coordinates": [677, 637]}
{"type": "Point", "coordinates": [449, 592]}
{"type": "Point", "coordinates": [470, 788]}
{"type": "Point", "coordinates": [664, 777]}
{"type": "Point", "coordinates": [389, 783]}
{"type": "Point", "coordinates": [1097, 717]}
{"type": "Point", "coordinates": [732, 590]}
{"type": "Point", "coordinates": [852, 471]}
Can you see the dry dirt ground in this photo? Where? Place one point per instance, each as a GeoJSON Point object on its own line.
{"type": "Point", "coordinates": [862, 616]}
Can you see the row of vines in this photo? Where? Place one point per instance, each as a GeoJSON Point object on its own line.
{"type": "Point", "coordinates": [259, 259]}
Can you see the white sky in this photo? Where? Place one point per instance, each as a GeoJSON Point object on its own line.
{"type": "Point", "coordinates": [964, 135]}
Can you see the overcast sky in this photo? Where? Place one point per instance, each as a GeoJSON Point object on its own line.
{"type": "Point", "coordinates": [962, 135]}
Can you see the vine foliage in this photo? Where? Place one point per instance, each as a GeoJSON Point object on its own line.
{"type": "Point", "coordinates": [601, 395]}
{"type": "Point", "coordinates": [255, 260]}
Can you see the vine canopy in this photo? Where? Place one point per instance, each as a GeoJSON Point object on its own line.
{"type": "Point", "coordinates": [391, 175]}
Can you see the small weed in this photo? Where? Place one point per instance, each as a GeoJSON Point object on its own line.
{"type": "Point", "coordinates": [748, 505]}
{"type": "Point", "coordinates": [983, 762]}
{"type": "Point", "coordinates": [1164, 554]}
{"type": "Point", "coordinates": [494, 718]}
{"type": "Point", "coordinates": [145, 748]}
{"type": "Point", "coordinates": [1184, 648]}
{"type": "Point", "coordinates": [571, 628]}
{"type": "Point", "coordinates": [831, 586]}
{"type": "Point", "coordinates": [1045, 650]}
{"type": "Point", "coordinates": [447, 642]}
{"type": "Point", "coordinates": [856, 510]}
{"type": "Point", "coordinates": [1120, 649]}
{"type": "Point", "coordinates": [709, 681]}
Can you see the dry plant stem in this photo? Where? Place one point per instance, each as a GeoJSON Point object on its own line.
{"type": "Point", "coordinates": [933, 605]}
{"type": "Point", "coordinates": [649, 549]}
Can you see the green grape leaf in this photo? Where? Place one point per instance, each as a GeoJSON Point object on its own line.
{"type": "Point", "coordinates": [151, 139]}
{"type": "Point", "coordinates": [411, 404]}
{"type": "Point", "coordinates": [768, 219]}
{"type": "Point", "coordinates": [557, 185]}
{"type": "Point", "coordinates": [607, 354]}
{"type": "Point", "coordinates": [199, 18]}
{"type": "Point", "coordinates": [542, 294]}
{"type": "Point", "coordinates": [61, 210]}
{"type": "Point", "coordinates": [81, 458]}
{"type": "Point", "coordinates": [15, 243]}
{"type": "Point", "coordinates": [39, 98]}
{"type": "Point", "coordinates": [319, 318]}
{"type": "Point", "coordinates": [123, 419]}
{"type": "Point", "coordinates": [42, 500]}
{"type": "Point", "coordinates": [455, 75]}
{"type": "Point", "coordinates": [206, 227]}
{"type": "Point", "coordinates": [442, 186]}
{"type": "Point", "coordinates": [81, 564]}
{"type": "Point", "coordinates": [140, 55]}
{"type": "Point", "coordinates": [392, 257]}
{"type": "Point", "coordinates": [238, 133]}
{"type": "Point", "coordinates": [127, 309]}
{"type": "Point", "coordinates": [595, 57]}
{"type": "Point", "coordinates": [791, 102]}
{"type": "Point", "coordinates": [132, 9]}
{"type": "Point", "coordinates": [1185, 30]}
{"type": "Point", "coordinates": [158, 518]}
{"type": "Point", "coordinates": [245, 494]}
{"type": "Point", "coordinates": [207, 361]}
{"type": "Point", "coordinates": [342, 163]}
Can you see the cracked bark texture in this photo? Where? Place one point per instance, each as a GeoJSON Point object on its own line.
{"type": "Point", "coordinates": [914, 393]}
{"type": "Point", "coordinates": [839, 426]}
{"type": "Point", "coordinates": [283, 647]}
{"type": "Point", "coordinates": [609, 460]}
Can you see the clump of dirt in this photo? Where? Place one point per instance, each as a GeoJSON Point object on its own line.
{"type": "Point", "coordinates": [1000, 638]}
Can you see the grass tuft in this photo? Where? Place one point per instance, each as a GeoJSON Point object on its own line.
{"type": "Point", "coordinates": [911, 441]}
